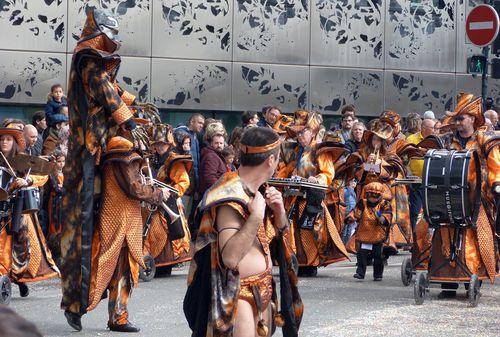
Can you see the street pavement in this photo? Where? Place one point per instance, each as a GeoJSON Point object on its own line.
{"type": "Point", "coordinates": [335, 305]}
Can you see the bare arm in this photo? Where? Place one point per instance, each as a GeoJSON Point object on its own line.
{"type": "Point", "coordinates": [237, 236]}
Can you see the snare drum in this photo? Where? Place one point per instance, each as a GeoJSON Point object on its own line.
{"type": "Point", "coordinates": [31, 199]}
{"type": "Point", "coordinates": [5, 180]}
{"type": "Point", "coordinates": [448, 198]}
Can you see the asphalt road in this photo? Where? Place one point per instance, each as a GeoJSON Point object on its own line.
{"type": "Point", "coordinates": [335, 305]}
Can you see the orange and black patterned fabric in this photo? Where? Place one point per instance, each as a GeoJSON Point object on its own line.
{"type": "Point", "coordinates": [210, 310]}
{"type": "Point", "coordinates": [120, 221]}
{"type": "Point", "coordinates": [174, 172]}
{"type": "Point", "coordinates": [480, 251]}
{"type": "Point", "coordinates": [322, 245]}
{"type": "Point", "coordinates": [96, 109]}
{"type": "Point", "coordinates": [369, 229]}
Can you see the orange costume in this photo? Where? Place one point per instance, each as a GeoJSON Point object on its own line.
{"type": "Point", "coordinates": [401, 231]}
{"type": "Point", "coordinates": [213, 290]}
{"type": "Point", "coordinates": [175, 173]}
{"type": "Point", "coordinates": [319, 245]}
{"type": "Point", "coordinates": [480, 251]}
{"type": "Point", "coordinates": [117, 240]}
{"type": "Point", "coordinates": [24, 256]}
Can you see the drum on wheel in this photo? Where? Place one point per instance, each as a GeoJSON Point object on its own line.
{"type": "Point", "coordinates": [449, 197]}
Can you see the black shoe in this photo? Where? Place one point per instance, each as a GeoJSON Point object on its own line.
{"type": "Point", "coordinates": [308, 271]}
{"type": "Point", "coordinates": [128, 327]}
{"type": "Point", "coordinates": [23, 290]}
{"type": "Point", "coordinates": [377, 279]}
{"type": "Point", "coordinates": [447, 294]}
{"type": "Point", "coordinates": [74, 320]}
{"type": "Point", "coordinates": [359, 277]}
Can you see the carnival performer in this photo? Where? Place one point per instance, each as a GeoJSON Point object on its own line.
{"type": "Point", "coordinates": [373, 163]}
{"type": "Point", "coordinates": [175, 172]}
{"type": "Point", "coordinates": [98, 108]}
{"type": "Point", "coordinates": [54, 193]}
{"type": "Point", "coordinates": [401, 231]}
{"type": "Point", "coordinates": [24, 254]}
{"type": "Point", "coordinates": [373, 214]}
{"type": "Point", "coordinates": [117, 239]}
{"type": "Point", "coordinates": [230, 284]}
{"type": "Point", "coordinates": [313, 234]}
{"type": "Point", "coordinates": [480, 252]}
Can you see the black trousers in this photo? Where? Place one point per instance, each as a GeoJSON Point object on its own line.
{"type": "Point", "coordinates": [378, 260]}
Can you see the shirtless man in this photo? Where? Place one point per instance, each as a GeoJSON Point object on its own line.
{"type": "Point", "coordinates": [239, 223]}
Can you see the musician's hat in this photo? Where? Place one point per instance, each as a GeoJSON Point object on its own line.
{"type": "Point", "coordinates": [119, 144]}
{"type": "Point", "coordinates": [16, 133]}
{"type": "Point", "coordinates": [380, 129]}
{"type": "Point", "coordinates": [376, 187]}
{"type": "Point", "coordinates": [390, 117]}
{"type": "Point", "coordinates": [304, 119]}
{"type": "Point", "coordinates": [470, 105]}
{"type": "Point", "coordinates": [161, 133]}
{"type": "Point", "coordinates": [282, 123]}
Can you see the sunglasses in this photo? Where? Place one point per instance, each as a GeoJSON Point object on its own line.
{"type": "Point", "coordinates": [459, 118]}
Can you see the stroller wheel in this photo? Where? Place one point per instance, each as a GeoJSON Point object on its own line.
{"type": "Point", "coordinates": [420, 289]}
{"type": "Point", "coordinates": [406, 272]}
{"type": "Point", "coordinates": [474, 293]}
{"type": "Point", "coordinates": [148, 274]}
{"type": "Point", "coordinates": [5, 290]}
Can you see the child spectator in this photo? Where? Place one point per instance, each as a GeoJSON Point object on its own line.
{"type": "Point", "coordinates": [55, 101]}
{"type": "Point", "coordinates": [229, 154]}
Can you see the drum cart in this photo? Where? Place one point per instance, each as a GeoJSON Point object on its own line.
{"type": "Point", "coordinates": [448, 204]}
{"type": "Point", "coordinates": [5, 284]}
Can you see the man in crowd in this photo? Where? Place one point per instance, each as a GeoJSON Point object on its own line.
{"type": "Point", "coordinates": [270, 117]}
{"type": "Point", "coordinates": [194, 128]}
{"type": "Point", "coordinates": [230, 288]}
{"type": "Point", "coordinates": [346, 127]}
{"type": "Point", "coordinates": [416, 166]}
{"type": "Point", "coordinates": [429, 114]}
{"type": "Point", "coordinates": [40, 124]}
{"type": "Point", "coordinates": [493, 117]}
{"type": "Point", "coordinates": [212, 164]}
{"type": "Point", "coordinates": [31, 136]}
{"type": "Point", "coordinates": [480, 251]}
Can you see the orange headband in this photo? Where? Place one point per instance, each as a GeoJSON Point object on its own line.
{"type": "Point", "coordinates": [247, 149]}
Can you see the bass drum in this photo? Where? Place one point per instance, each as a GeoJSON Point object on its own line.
{"type": "Point", "coordinates": [449, 197]}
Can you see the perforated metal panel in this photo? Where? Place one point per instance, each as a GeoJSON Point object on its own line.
{"type": "Point", "coordinates": [420, 35]}
{"type": "Point", "coordinates": [332, 88]}
{"type": "Point", "coordinates": [259, 85]}
{"type": "Point", "coordinates": [33, 25]}
{"type": "Point", "coordinates": [417, 92]}
{"type": "Point", "coordinates": [26, 77]}
{"type": "Point", "coordinates": [134, 18]}
{"type": "Point", "coordinates": [191, 84]}
{"type": "Point", "coordinates": [347, 33]}
{"type": "Point", "coordinates": [134, 76]}
{"type": "Point", "coordinates": [193, 29]}
{"type": "Point", "coordinates": [271, 31]}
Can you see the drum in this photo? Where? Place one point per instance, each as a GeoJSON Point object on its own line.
{"type": "Point", "coordinates": [5, 179]}
{"type": "Point", "coordinates": [448, 196]}
{"type": "Point", "coordinates": [31, 199]}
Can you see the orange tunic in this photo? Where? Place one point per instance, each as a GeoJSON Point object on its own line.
{"type": "Point", "coordinates": [322, 245]}
{"type": "Point", "coordinates": [175, 172]}
{"type": "Point", "coordinates": [478, 252]}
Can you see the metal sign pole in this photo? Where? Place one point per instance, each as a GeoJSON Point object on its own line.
{"type": "Point", "coordinates": [484, 82]}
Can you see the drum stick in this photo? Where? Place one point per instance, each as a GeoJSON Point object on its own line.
{"type": "Point", "coordinates": [8, 164]}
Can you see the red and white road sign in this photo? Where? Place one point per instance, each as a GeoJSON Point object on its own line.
{"type": "Point", "coordinates": [482, 25]}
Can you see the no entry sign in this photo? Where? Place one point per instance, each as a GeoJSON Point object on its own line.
{"type": "Point", "coordinates": [482, 25]}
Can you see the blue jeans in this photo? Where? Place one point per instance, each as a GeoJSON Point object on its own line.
{"type": "Point", "coordinates": [416, 201]}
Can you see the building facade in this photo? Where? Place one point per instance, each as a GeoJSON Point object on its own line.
{"type": "Point", "coordinates": [233, 55]}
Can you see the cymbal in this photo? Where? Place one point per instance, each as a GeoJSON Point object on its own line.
{"type": "Point", "coordinates": [39, 166]}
